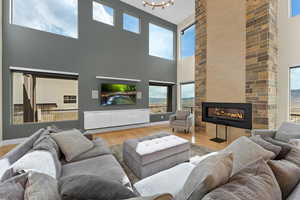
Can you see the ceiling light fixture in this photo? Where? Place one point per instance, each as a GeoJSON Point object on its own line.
{"type": "Point", "coordinates": [160, 4]}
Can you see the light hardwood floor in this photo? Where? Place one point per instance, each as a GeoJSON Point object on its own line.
{"type": "Point", "coordinates": [118, 137]}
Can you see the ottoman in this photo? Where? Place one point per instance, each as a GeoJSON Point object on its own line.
{"type": "Point", "coordinates": [151, 154]}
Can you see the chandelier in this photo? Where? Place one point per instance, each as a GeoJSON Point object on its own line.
{"type": "Point", "coordinates": [161, 4]}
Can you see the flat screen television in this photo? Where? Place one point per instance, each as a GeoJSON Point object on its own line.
{"type": "Point", "coordinates": [117, 94]}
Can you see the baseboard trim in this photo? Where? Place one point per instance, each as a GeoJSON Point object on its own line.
{"type": "Point", "coordinates": [20, 140]}
{"type": "Point", "coordinates": [120, 128]}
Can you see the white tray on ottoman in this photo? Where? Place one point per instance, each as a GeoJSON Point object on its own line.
{"type": "Point", "coordinates": [151, 154]}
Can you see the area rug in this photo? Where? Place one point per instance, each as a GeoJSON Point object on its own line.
{"type": "Point", "coordinates": [117, 151]}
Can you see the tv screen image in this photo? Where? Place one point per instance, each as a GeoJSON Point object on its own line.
{"type": "Point", "coordinates": [118, 94]}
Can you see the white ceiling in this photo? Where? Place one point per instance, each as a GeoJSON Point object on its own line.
{"type": "Point", "coordinates": [175, 14]}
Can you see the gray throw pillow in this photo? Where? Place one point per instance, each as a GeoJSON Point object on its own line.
{"type": "Point", "coordinates": [287, 175]}
{"type": "Point", "coordinates": [13, 188]}
{"type": "Point", "coordinates": [182, 115]}
{"type": "Point", "coordinates": [254, 182]}
{"type": "Point", "coordinates": [266, 145]}
{"type": "Point", "coordinates": [100, 148]}
{"type": "Point", "coordinates": [287, 131]}
{"type": "Point", "coordinates": [207, 175]}
{"type": "Point", "coordinates": [294, 156]}
{"type": "Point", "coordinates": [88, 187]}
{"type": "Point", "coordinates": [41, 186]}
{"type": "Point", "coordinates": [72, 143]}
{"type": "Point", "coordinates": [285, 147]}
{"type": "Point", "coordinates": [245, 151]}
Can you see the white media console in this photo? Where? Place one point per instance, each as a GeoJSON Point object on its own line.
{"type": "Point", "coordinates": [114, 118]}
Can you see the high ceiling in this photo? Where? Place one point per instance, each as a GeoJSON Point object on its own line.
{"type": "Point", "coordinates": [175, 14]}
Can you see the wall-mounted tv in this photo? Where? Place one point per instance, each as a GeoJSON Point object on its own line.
{"type": "Point", "coordinates": [117, 94]}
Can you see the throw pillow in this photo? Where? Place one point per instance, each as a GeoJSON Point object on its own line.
{"type": "Point", "coordinates": [41, 186]}
{"type": "Point", "coordinates": [86, 187]}
{"type": "Point", "coordinates": [294, 156]}
{"type": "Point", "coordinates": [287, 175]}
{"type": "Point", "coordinates": [266, 145]}
{"type": "Point", "coordinates": [255, 181]}
{"type": "Point", "coordinates": [245, 151]}
{"type": "Point", "coordinates": [285, 147]}
{"type": "Point", "coordinates": [182, 115]}
{"type": "Point", "coordinates": [13, 189]}
{"type": "Point", "coordinates": [38, 161]}
{"type": "Point", "coordinates": [288, 131]}
{"type": "Point", "coordinates": [45, 142]}
{"type": "Point", "coordinates": [207, 175]}
{"type": "Point", "coordinates": [100, 148]}
{"type": "Point", "coordinates": [72, 143]}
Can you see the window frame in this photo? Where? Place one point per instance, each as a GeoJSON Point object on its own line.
{"type": "Point", "coordinates": [180, 39]}
{"type": "Point", "coordinates": [132, 15]}
{"type": "Point", "coordinates": [185, 83]}
{"type": "Point", "coordinates": [107, 5]}
{"type": "Point", "coordinates": [173, 41]}
{"type": "Point", "coordinates": [40, 74]}
{"type": "Point", "coordinates": [11, 8]}
{"type": "Point", "coordinates": [169, 97]}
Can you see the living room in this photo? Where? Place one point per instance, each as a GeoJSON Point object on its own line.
{"type": "Point", "coordinates": [154, 100]}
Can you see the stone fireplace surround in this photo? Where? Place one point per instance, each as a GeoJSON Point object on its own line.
{"type": "Point", "coordinates": [260, 62]}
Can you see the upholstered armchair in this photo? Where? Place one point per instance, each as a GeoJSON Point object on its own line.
{"type": "Point", "coordinates": [181, 120]}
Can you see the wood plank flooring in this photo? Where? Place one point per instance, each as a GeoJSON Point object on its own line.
{"type": "Point", "coordinates": [118, 137]}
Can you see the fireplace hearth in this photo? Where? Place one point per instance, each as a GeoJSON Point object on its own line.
{"type": "Point", "coordinates": [237, 115]}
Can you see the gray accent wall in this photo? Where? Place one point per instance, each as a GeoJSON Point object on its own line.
{"type": "Point", "coordinates": [100, 50]}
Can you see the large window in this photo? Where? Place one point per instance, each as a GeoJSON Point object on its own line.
{"type": "Point", "coordinates": [295, 94]}
{"type": "Point", "coordinates": [160, 98]}
{"type": "Point", "coordinates": [131, 23]}
{"type": "Point", "coordinates": [187, 96]}
{"type": "Point", "coordinates": [54, 16]}
{"type": "Point", "coordinates": [295, 8]}
{"type": "Point", "coordinates": [161, 42]}
{"type": "Point", "coordinates": [103, 13]}
{"type": "Point", "coordinates": [40, 98]}
{"type": "Point", "coordinates": [188, 40]}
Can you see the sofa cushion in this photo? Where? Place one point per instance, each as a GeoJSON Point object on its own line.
{"type": "Point", "coordinates": [100, 148]}
{"type": "Point", "coordinates": [295, 142]}
{"type": "Point", "coordinates": [207, 175]}
{"type": "Point", "coordinates": [72, 143]}
{"type": "Point", "coordinates": [266, 145]}
{"type": "Point", "coordinates": [179, 122]}
{"type": "Point", "coordinates": [287, 175]}
{"type": "Point", "coordinates": [38, 161]}
{"type": "Point", "coordinates": [105, 166]}
{"type": "Point", "coordinates": [41, 186]}
{"type": "Point", "coordinates": [287, 131]}
{"type": "Point", "coordinates": [86, 187]}
{"type": "Point", "coordinates": [4, 166]}
{"type": "Point", "coordinates": [245, 151]}
{"type": "Point", "coordinates": [182, 114]}
{"type": "Point", "coordinates": [165, 181]}
{"type": "Point", "coordinates": [285, 147]}
{"type": "Point", "coordinates": [255, 181]}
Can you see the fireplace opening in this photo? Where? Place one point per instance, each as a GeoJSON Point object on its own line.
{"type": "Point", "coordinates": [229, 114]}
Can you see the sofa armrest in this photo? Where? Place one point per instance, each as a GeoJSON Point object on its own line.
{"type": "Point", "coordinates": [172, 117]}
{"type": "Point", "coordinates": [264, 132]}
{"type": "Point", "coordinates": [156, 197]}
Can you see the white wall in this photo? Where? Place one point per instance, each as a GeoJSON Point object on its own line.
{"type": "Point", "coordinates": [289, 55]}
{"type": "Point", "coordinates": [1, 125]}
{"type": "Point", "coordinates": [186, 66]}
